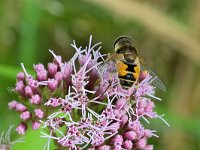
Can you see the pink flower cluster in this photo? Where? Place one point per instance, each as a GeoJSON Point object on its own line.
{"type": "Point", "coordinates": [84, 107]}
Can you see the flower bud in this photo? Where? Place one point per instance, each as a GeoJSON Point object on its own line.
{"type": "Point", "coordinates": [140, 111]}
{"type": "Point", "coordinates": [35, 125]}
{"type": "Point", "coordinates": [20, 107]}
{"type": "Point", "coordinates": [141, 143]}
{"type": "Point", "coordinates": [130, 135]}
{"type": "Point", "coordinates": [21, 129]}
{"type": "Point", "coordinates": [59, 77]}
{"type": "Point", "coordinates": [52, 84]}
{"type": "Point", "coordinates": [114, 127]}
{"type": "Point", "coordinates": [142, 103]}
{"type": "Point", "coordinates": [26, 115]}
{"type": "Point", "coordinates": [35, 99]}
{"type": "Point", "coordinates": [39, 67]}
{"type": "Point", "coordinates": [39, 113]}
{"type": "Point", "coordinates": [20, 87]}
{"type": "Point", "coordinates": [52, 69]}
{"type": "Point", "coordinates": [42, 75]}
{"type": "Point", "coordinates": [20, 76]}
{"type": "Point", "coordinates": [117, 140]}
{"type": "Point", "coordinates": [124, 120]}
{"type": "Point", "coordinates": [149, 107]}
{"type": "Point", "coordinates": [67, 72]}
{"type": "Point", "coordinates": [128, 144]}
{"type": "Point", "coordinates": [12, 104]}
{"type": "Point", "coordinates": [28, 91]}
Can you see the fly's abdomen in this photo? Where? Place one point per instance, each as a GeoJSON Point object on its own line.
{"type": "Point", "coordinates": [127, 73]}
{"type": "Point", "coordinates": [127, 81]}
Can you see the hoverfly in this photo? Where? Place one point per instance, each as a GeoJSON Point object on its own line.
{"type": "Point", "coordinates": [129, 64]}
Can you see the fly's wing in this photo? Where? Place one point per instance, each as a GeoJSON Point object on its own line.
{"type": "Point", "coordinates": [106, 64]}
{"type": "Point", "coordinates": [109, 63]}
{"type": "Point", "coordinates": [157, 82]}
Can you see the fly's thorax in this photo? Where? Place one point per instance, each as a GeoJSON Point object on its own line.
{"type": "Point", "coordinates": [118, 57]}
{"type": "Point", "coordinates": [130, 58]}
{"type": "Point", "coordinates": [125, 48]}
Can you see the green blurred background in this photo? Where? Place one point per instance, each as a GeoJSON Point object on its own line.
{"type": "Point", "coordinates": [167, 33]}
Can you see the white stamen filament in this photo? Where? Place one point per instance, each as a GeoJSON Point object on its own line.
{"type": "Point", "coordinates": [154, 97]}
{"type": "Point", "coordinates": [24, 69]}
{"type": "Point", "coordinates": [163, 120]}
{"type": "Point", "coordinates": [92, 112]}
{"type": "Point", "coordinates": [111, 135]}
{"type": "Point", "coordinates": [145, 119]}
{"type": "Point", "coordinates": [56, 57]}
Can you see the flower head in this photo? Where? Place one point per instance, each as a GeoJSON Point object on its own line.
{"type": "Point", "coordinates": [83, 106]}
